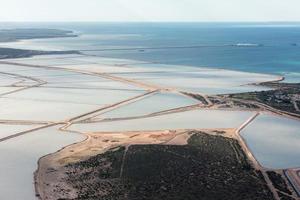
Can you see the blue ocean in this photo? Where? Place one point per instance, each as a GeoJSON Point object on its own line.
{"type": "Point", "coordinates": [272, 48]}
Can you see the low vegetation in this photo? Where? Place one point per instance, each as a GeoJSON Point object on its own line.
{"type": "Point", "coordinates": [209, 167]}
{"type": "Point", "coordinates": [285, 96]}
{"type": "Point", "coordinates": [222, 101]}
{"type": "Point", "coordinates": [197, 96]}
{"type": "Point", "coordinates": [11, 35]}
{"type": "Point", "coordinates": [6, 53]}
{"type": "Point", "coordinates": [281, 185]}
{"type": "Point", "coordinates": [278, 182]}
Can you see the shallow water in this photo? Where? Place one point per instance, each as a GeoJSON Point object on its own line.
{"type": "Point", "coordinates": [151, 104]}
{"type": "Point", "coordinates": [6, 80]}
{"type": "Point", "coordinates": [206, 44]}
{"type": "Point", "coordinates": [4, 90]}
{"type": "Point", "coordinates": [106, 60]}
{"type": "Point", "coordinates": [51, 60]}
{"type": "Point", "coordinates": [204, 81]}
{"type": "Point", "coordinates": [19, 157]}
{"type": "Point", "coordinates": [74, 96]}
{"type": "Point", "coordinates": [104, 68]}
{"type": "Point", "coordinates": [196, 119]}
{"type": "Point", "coordinates": [292, 77]}
{"type": "Point", "coordinates": [215, 49]}
{"type": "Point", "coordinates": [35, 71]}
{"type": "Point", "coordinates": [64, 78]}
{"type": "Point", "coordinates": [26, 109]}
{"type": "Point", "coordinates": [274, 141]}
{"type": "Point", "coordinates": [7, 130]}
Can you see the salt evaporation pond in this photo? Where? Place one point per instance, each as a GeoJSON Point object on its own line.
{"type": "Point", "coordinates": [274, 141]}
{"type": "Point", "coordinates": [151, 104]}
{"type": "Point", "coordinates": [204, 80]}
{"type": "Point", "coordinates": [29, 109]}
{"type": "Point", "coordinates": [75, 96]}
{"type": "Point", "coordinates": [196, 119]}
{"type": "Point", "coordinates": [4, 90]}
{"type": "Point", "coordinates": [19, 157]}
{"type": "Point", "coordinates": [10, 129]}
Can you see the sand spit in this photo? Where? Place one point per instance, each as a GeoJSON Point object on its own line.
{"type": "Point", "coordinates": [49, 178]}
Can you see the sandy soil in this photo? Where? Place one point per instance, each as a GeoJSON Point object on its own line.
{"type": "Point", "coordinates": [49, 178]}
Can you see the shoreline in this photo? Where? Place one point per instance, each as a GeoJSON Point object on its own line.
{"type": "Point", "coordinates": [230, 133]}
{"type": "Point", "coordinates": [40, 33]}
{"type": "Point", "coordinates": [279, 77]}
{"type": "Point", "coordinates": [176, 138]}
{"type": "Point", "coordinates": [247, 151]}
{"type": "Point", "coordinates": [12, 53]}
{"type": "Point", "coordinates": [238, 136]}
{"type": "Point", "coordinates": [169, 136]}
{"type": "Point", "coordinates": [35, 173]}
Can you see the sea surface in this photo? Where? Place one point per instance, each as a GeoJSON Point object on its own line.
{"type": "Point", "coordinates": [272, 48]}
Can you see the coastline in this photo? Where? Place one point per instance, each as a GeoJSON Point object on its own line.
{"type": "Point", "coordinates": [85, 150]}
{"type": "Point", "coordinates": [37, 185]}
{"type": "Point", "coordinates": [279, 79]}
{"type": "Point", "coordinates": [242, 141]}
{"type": "Point", "coordinates": [8, 36]}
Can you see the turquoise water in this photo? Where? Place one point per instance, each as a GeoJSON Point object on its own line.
{"type": "Point", "coordinates": [275, 48]}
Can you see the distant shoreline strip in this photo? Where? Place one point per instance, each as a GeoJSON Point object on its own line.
{"type": "Point", "coordinates": [172, 47]}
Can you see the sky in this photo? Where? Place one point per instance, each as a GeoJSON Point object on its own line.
{"type": "Point", "coordinates": [150, 10]}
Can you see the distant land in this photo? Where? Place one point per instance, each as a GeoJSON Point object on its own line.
{"type": "Point", "coordinates": [6, 53]}
{"type": "Point", "coordinates": [98, 127]}
{"type": "Point", "coordinates": [12, 35]}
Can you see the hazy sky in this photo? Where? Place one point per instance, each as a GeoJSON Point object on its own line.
{"type": "Point", "coordinates": [150, 10]}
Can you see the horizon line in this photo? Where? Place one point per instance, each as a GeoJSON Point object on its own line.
{"type": "Point", "coordinates": [132, 21]}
